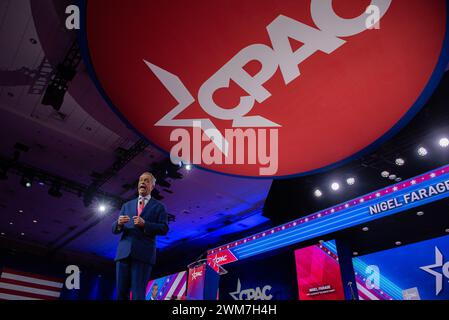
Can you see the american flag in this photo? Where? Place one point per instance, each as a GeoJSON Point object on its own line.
{"type": "Point", "coordinates": [18, 285]}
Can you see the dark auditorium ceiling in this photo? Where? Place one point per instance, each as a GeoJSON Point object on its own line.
{"type": "Point", "coordinates": [85, 139]}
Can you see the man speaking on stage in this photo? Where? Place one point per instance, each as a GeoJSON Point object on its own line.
{"type": "Point", "coordinates": [140, 221]}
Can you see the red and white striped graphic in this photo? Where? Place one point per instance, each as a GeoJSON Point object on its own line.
{"type": "Point", "coordinates": [17, 285]}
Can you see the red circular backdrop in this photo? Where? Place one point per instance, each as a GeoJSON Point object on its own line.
{"type": "Point", "coordinates": [340, 104]}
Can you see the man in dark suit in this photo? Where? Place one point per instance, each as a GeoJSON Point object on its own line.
{"type": "Point", "coordinates": [140, 221]}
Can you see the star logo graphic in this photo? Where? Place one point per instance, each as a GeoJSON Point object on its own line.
{"type": "Point", "coordinates": [236, 293]}
{"type": "Point", "coordinates": [438, 275]}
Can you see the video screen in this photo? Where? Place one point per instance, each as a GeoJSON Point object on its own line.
{"type": "Point", "coordinates": [171, 287]}
{"type": "Point", "coordinates": [318, 272]}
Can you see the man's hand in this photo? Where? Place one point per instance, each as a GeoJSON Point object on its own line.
{"type": "Point", "coordinates": [122, 220]}
{"type": "Point", "coordinates": [138, 221]}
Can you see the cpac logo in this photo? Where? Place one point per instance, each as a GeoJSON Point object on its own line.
{"type": "Point", "coordinates": [219, 260]}
{"type": "Point", "coordinates": [438, 275]}
{"type": "Point", "coordinates": [251, 294]}
{"type": "Point", "coordinates": [325, 38]}
{"type": "Point", "coordinates": [196, 274]}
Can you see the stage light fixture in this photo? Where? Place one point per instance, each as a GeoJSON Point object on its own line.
{"type": "Point", "coordinates": [27, 180]}
{"type": "Point", "coordinates": [355, 253]}
{"type": "Point", "coordinates": [422, 151]}
{"type": "Point", "coordinates": [365, 229]}
{"type": "Point", "coordinates": [188, 167]}
{"type": "Point", "coordinates": [398, 243]}
{"type": "Point", "coordinates": [350, 181]}
{"type": "Point", "coordinates": [317, 193]}
{"type": "Point", "coordinates": [385, 174]}
{"type": "Point", "coordinates": [399, 179]}
{"type": "Point", "coordinates": [444, 142]}
{"type": "Point", "coordinates": [420, 213]}
{"type": "Point", "coordinates": [399, 162]}
{"type": "Point", "coordinates": [392, 177]}
{"type": "Point", "coordinates": [54, 95]}
{"type": "Point", "coordinates": [335, 186]}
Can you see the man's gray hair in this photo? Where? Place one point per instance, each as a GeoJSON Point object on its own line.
{"type": "Point", "coordinates": [153, 179]}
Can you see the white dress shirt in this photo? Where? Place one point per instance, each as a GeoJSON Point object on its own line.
{"type": "Point", "coordinates": [146, 199]}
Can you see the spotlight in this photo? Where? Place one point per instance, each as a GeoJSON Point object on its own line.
{"type": "Point", "coordinates": [444, 142]}
{"type": "Point", "coordinates": [350, 181]}
{"type": "Point", "coordinates": [420, 213]}
{"type": "Point", "coordinates": [400, 162]}
{"type": "Point", "coordinates": [54, 190]}
{"type": "Point", "coordinates": [355, 253]}
{"type": "Point", "coordinates": [335, 186]}
{"type": "Point", "coordinates": [398, 243]}
{"type": "Point", "coordinates": [392, 177]}
{"type": "Point", "coordinates": [385, 174]}
{"type": "Point", "coordinates": [317, 193]}
{"type": "Point", "coordinates": [399, 179]}
{"type": "Point", "coordinates": [102, 208]}
{"type": "Point", "coordinates": [188, 167]}
{"type": "Point", "coordinates": [27, 180]}
{"type": "Point", "coordinates": [365, 229]}
{"type": "Point", "coordinates": [422, 151]}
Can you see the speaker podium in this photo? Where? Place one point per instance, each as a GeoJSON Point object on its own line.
{"type": "Point", "coordinates": [203, 281]}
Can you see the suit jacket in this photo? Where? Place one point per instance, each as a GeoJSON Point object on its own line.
{"type": "Point", "coordinates": [136, 242]}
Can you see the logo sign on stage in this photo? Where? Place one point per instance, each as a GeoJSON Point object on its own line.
{"type": "Point", "coordinates": [265, 88]}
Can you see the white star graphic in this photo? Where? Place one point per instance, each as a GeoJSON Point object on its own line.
{"type": "Point", "coordinates": [235, 294]}
{"type": "Point", "coordinates": [438, 276]}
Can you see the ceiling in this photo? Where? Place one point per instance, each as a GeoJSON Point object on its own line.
{"type": "Point", "coordinates": [289, 199]}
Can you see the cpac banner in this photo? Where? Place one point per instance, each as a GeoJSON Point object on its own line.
{"type": "Point", "coordinates": [265, 88]}
{"type": "Point", "coordinates": [262, 278]}
{"type": "Point", "coordinates": [414, 272]}
{"type": "Point", "coordinates": [318, 272]}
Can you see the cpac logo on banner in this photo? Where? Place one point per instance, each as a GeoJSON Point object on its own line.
{"type": "Point", "coordinates": [438, 275]}
{"type": "Point", "coordinates": [251, 294]}
{"type": "Point", "coordinates": [239, 96]}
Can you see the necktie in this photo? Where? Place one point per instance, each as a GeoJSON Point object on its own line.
{"type": "Point", "coordinates": [141, 206]}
